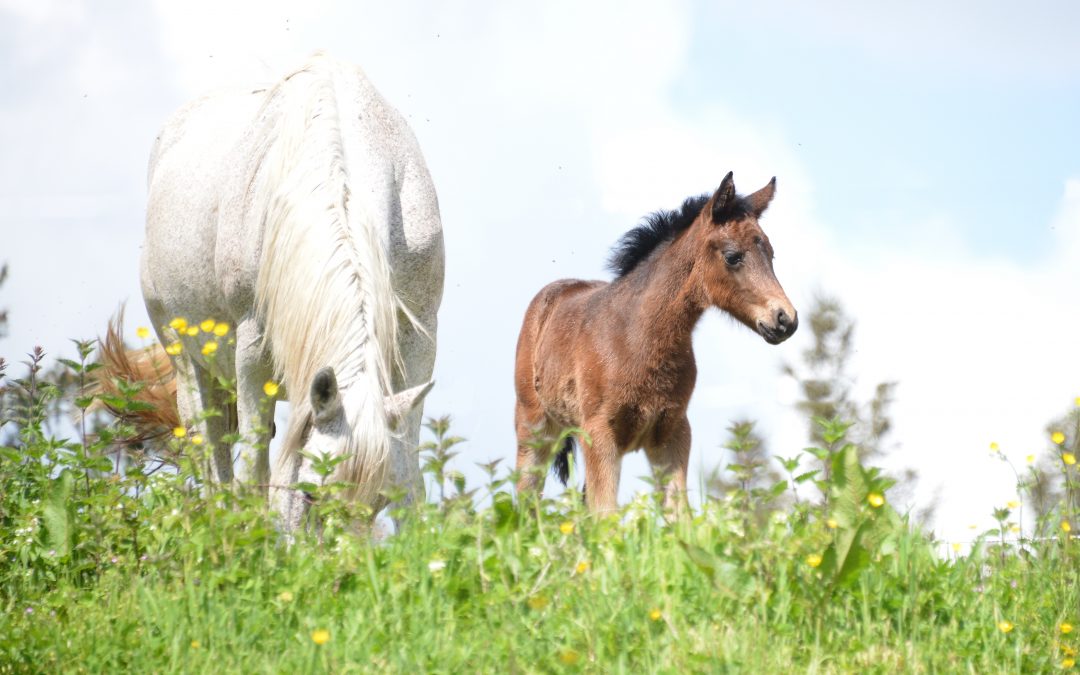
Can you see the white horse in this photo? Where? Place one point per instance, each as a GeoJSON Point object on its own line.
{"type": "Point", "coordinates": [303, 217]}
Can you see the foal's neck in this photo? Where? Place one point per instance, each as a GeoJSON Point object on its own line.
{"type": "Point", "coordinates": [668, 305]}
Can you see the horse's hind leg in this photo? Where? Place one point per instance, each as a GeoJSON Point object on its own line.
{"type": "Point", "coordinates": [196, 395]}
{"type": "Point", "coordinates": [603, 466]}
{"type": "Point", "coordinates": [669, 456]}
{"type": "Point", "coordinates": [254, 413]}
{"type": "Point", "coordinates": [532, 452]}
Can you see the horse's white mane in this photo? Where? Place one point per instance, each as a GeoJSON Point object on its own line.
{"type": "Point", "coordinates": [324, 290]}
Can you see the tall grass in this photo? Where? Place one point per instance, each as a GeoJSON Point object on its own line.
{"type": "Point", "coordinates": [119, 566]}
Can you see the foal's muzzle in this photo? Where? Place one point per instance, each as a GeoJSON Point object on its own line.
{"type": "Point", "coordinates": [782, 327]}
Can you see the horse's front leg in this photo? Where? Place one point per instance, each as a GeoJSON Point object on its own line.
{"type": "Point", "coordinates": [669, 457]}
{"type": "Point", "coordinates": [603, 466]}
{"type": "Point", "coordinates": [254, 409]}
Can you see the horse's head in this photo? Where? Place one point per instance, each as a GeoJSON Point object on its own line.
{"type": "Point", "coordinates": [336, 414]}
{"type": "Point", "coordinates": [737, 271]}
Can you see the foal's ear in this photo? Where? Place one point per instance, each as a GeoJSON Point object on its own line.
{"type": "Point", "coordinates": [724, 198]}
{"type": "Point", "coordinates": [759, 201]}
{"type": "Point", "coordinates": [325, 400]}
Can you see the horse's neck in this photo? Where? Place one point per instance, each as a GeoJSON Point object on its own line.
{"type": "Point", "coordinates": [667, 308]}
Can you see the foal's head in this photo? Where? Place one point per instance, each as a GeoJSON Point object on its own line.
{"type": "Point", "coordinates": [735, 262]}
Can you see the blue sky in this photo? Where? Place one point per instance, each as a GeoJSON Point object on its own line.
{"type": "Point", "coordinates": [926, 155]}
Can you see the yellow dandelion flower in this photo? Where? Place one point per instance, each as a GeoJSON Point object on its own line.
{"type": "Point", "coordinates": [1068, 458]}
{"type": "Point", "coordinates": [582, 567]}
{"type": "Point", "coordinates": [1065, 628]}
{"type": "Point", "coordinates": [195, 644]}
{"type": "Point", "coordinates": [143, 332]}
{"type": "Point", "coordinates": [1068, 663]}
{"type": "Point", "coordinates": [569, 657]}
{"type": "Point", "coordinates": [1065, 526]}
{"type": "Point", "coordinates": [973, 527]}
{"type": "Point", "coordinates": [876, 499]}
{"type": "Point", "coordinates": [813, 560]}
{"type": "Point", "coordinates": [956, 547]}
{"type": "Point", "coordinates": [178, 324]}
{"type": "Point", "coordinates": [197, 439]}
{"type": "Point", "coordinates": [285, 596]}
{"type": "Point", "coordinates": [1077, 401]}
{"type": "Point", "coordinates": [1014, 528]}
{"type": "Point", "coordinates": [270, 389]}
{"type": "Point", "coordinates": [994, 447]}
{"type": "Point", "coordinates": [208, 325]}
{"type": "Point", "coordinates": [174, 348]}
{"type": "Point", "coordinates": [1067, 650]}
{"type": "Point", "coordinates": [832, 523]}
{"type": "Point", "coordinates": [1005, 626]}
{"type": "Point", "coordinates": [209, 348]}
{"type": "Point", "coordinates": [221, 330]}
{"type": "Point", "coordinates": [191, 331]}
{"type": "Point", "coordinates": [537, 602]}
{"type": "Point", "coordinates": [320, 636]}
{"type": "Point", "coordinates": [1012, 504]}
{"type": "Point", "coordinates": [566, 528]}
{"type": "Point", "coordinates": [1030, 459]}
{"type": "Point", "coordinates": [655, 614]}
{"type": "Point", "coordinates": [179, 432]}
{"type": "Point", "coordinates": [1057, 437]}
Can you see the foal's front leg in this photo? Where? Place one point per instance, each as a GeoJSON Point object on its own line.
{"type": "Point", "coordinates": [603, 465]}
{"type": "Point", "coordinates": [670, 459]}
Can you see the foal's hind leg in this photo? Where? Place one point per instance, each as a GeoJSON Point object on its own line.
{"type": "Point", "coordinates": [603, 466]}
{"type": "Point", "coordinates": [669, 456]}
{"type": "Point", "coordinates": [533, 451]}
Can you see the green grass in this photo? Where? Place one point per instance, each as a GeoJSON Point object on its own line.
{"type": "Point", "coordinates": [162, 572]}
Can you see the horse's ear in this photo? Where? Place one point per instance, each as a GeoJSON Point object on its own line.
{"type": "Point", "coordinates": [724, 198]}
{"type": "Point", "coordinates": [402, 403]}
{"type": "Point", "coordinates": [759, 201]}
{"type": "Point", "coordinates": [325, 400]}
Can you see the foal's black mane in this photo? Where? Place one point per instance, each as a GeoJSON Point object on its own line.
{"type": "Point", "coordinates": [661, 226]}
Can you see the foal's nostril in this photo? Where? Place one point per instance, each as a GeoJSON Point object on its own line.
{"type": "Point", "coordinates": [782, 319]}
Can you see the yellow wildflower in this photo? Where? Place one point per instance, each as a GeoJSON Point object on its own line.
{"type": "Point", "coordinates": [569, 657]}
{"type": "Point", "coordinates": [1014, 527]}
{"type": "Point", "coordinates": [174, 348]}
{"type": "Point", "coordinates": [582, 567]}
{"type": "Point", "coordinates": [197, 439]}
{"type": "Point", "coordinates": [192, 331]}
{"type": "Point", "coordinates": [1077, 401]}
{"type": "Point", "coordinates": [537, 602]}
{"type": "Point", "coordinates": [221, 330]}
{"type": "Point", "coordinates": [1013, 504]}
{"type": "Point", "coordinates": [208, 325]}
{"type": "Point", "coordinates": [994, 447]}
{"type": "Point", "coordinates": [179, 432]}
{"type": "Point", "coordinates": [1057, 437]}
{"type": "Point", "coordinates": [195, 644]}
{"type": "Point", "coordinates": [956, 547]}
{"type": "Point", "coordinates": [285, 596]}
{"type": "Point", "coordinates": [813, 560]}
{"type": "Point", "coordinates": [566, 528]}
{"type": "Point", "coordinates": [876, 499]}
{"type": "Point", "coordinates": [1068, 663]}
{"type": "Point", "coordinates": [1065, 526]}
{"type": "Point", "coordinates": [1005, 626]}
{"type": "Point", "coordinates": [1030, 459]}
{"type": "Point", "coordinates": [655, 614]}
{"type": "Point", "coordinates": [320, 636]}
{"type": "Point", "coordinates": [832, 523]}
{"type": "Point", "coordinates": [270, 389]}
{"type": "Point", "coordinates": [1068, 458]}
{"type": "Point", "coordinates": [178, 324]}
{"type": "Point", "coordinates": [1065, 628]}
{"type": "Point", "coordinates": [1067, 650]}
{"type": "Point", "coordinates": [209, 348]}
{"type": "Point", "coordinates": [143, 332]}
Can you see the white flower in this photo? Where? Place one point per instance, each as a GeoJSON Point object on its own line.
{"type": "Point", "coordinates": [436, 566]}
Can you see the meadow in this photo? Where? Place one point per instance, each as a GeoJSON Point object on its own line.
{"type": "Point", "coordinates": [138, 563]}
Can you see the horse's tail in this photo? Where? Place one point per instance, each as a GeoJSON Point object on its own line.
{"type": "Point", "coordinates": [152, 409]}
{"type": "Point", "coordinates": [561, 466]}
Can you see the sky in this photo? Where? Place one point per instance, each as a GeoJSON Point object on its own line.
{"type": "Point", "coordinates": [927, 160]}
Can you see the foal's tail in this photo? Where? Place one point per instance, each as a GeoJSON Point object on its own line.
{"type": "Point", "coordinates": [561, 466]}
{"type": "Point", "coordinates": [152, 409]}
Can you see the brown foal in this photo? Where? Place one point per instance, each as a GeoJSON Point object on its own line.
{"type": "Point", "coordinates": [616, 359]}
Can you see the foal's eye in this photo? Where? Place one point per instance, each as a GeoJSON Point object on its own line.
{"type": "Point", "coordinates": [733, 258]}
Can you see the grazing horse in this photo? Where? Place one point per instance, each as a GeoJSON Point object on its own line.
{"type": "Point", "coordinates": [302, 220]}
{"type": "Point", "coordinates": [616, 359]}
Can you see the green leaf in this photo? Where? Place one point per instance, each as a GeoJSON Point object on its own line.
{"type": "Point", "coordinates": [809, 475]}
{"type": "Point", "coordinates": [56, 513]}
